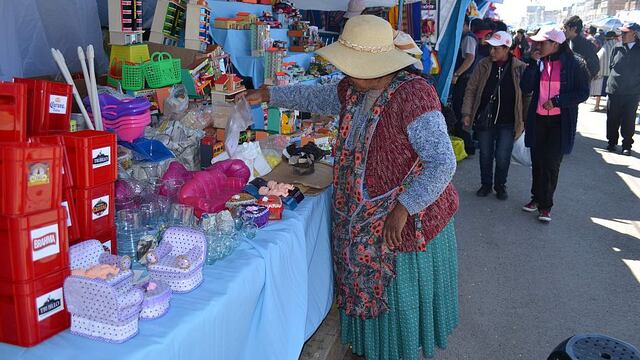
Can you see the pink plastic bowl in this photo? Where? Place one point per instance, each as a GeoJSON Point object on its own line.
{"type": "Point", "coordinates": [129, 133]}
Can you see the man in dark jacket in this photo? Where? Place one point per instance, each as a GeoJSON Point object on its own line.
{"type": "Point", "coordinates": [581, 46]}
{"type": "Point", "coordinates": [623, 87]}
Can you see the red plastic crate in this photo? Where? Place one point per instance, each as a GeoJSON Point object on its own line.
{"type": "Point", "coordinates": [48, 106]}
{"type": "Point", "coordinates": [67, 180]}
{"type": "Point", "coordinates": [13, 112]}
{"type": "Point", "coordinates": [33, 246]}
{"type": "Point", "coordinates": [96, 210]}
{"type": "Point", "coordinates": [33, 311]}
{"type": "Point", "coordinates": [30, 178]}
{"type": "Point", "coordinates": [93, 157]}
{"type": "Point", "coordinates": [69, 203]}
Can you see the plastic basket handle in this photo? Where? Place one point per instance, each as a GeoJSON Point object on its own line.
{"type": "Point", "coordinates": [161, 56]}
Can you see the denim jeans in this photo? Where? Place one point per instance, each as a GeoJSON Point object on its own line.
{"type": "Point", "coordinates": [496, 144]}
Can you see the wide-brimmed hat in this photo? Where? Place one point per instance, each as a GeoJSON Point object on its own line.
{"type": "Point", "coordinates": [365, 49]}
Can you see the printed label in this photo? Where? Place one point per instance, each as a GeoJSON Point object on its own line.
{"type": "Point", "coordinates": [38, 174]}
{"type": "Point", "coordinates": [49, 304]}
{"type": "Point", "coordinates": [57, 104]}
{"type": "Point", "coordinates": [100, 207]}
{"type": "Point", "coordinates": [68, 212]}
{"type": "Point", "coordinates": [45, 241]}
{"type": "Point", "coordinates": [101, 157]}
{"type": "Point", "coordinates": [107, 246]}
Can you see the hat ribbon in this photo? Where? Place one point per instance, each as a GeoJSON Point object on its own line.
{"type": "Point", "coordinates": [369, 49]}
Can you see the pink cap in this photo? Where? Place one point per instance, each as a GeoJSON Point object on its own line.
{"type": "Point", "coordinates": [549, 32]}
{"type": "Point", "coordinates": [500, 38]}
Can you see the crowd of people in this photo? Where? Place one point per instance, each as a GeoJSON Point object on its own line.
{"type": "Point", "coordinates": [510, 85]}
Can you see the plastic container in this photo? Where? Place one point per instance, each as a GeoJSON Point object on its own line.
{"type": "Point", "coordinates": [13, 112]}
{"type": "Point", "coordinates": [132, 77]}
{"type": "Point", "coordinates": [93, 157]}
{"type": "Point", "coordinates": [48, 106]}
{"type": "Point", "coordinates": [33, 311]}
{"type": "Point", "coordinates": [163, 70]}
{"type": "Point", "coordinates": [30, 178]}
{"type": "Point", "coordinates": [33, 246]}
{"type": "Point", "coordinates": [96, 210]}
{"type": "Point", "coordinates": [67, 180]}
{"type": "Point", "coordinates": [69, 203]}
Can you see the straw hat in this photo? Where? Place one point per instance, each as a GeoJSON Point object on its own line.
{"type": "Point", "coordinates": [365, 49]}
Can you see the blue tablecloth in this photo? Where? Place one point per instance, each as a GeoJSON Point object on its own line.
{"type": "Point", "coordinates": [261, 302]}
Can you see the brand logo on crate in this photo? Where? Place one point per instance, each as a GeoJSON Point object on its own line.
{"type": "Point", "coordinates": [38, 174]}
{"type": "Point", "coordinates": [49, 304]}
{"type": "Point", "coordinates": [100, 207]}
{"type": "Point", "coordinates": [57, 104]}
{"type": "Point", "coordinates": [45, 242]}
{"type": "Point", "coordinates": [101, 157]}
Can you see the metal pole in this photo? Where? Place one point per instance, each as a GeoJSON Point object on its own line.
{"type": "Point", "coordinates": [400, 13]}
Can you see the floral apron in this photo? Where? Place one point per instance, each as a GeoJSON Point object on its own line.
{"type": "Point", "coordinates": [364, 265]}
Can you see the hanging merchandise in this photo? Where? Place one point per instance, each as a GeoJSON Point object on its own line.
{"type": "Point", "coordinates": [429, 21]}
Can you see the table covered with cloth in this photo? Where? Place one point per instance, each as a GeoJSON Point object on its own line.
{"type": "Point", "coordinates": [261, 302]}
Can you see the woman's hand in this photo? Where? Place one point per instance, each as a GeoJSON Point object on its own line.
{"type": "Point", "coordinates": [548, 105]}
{"type": "Point", "coordinates": [257, 97]}
{"type": "Point", "coordinates": [393, 226]}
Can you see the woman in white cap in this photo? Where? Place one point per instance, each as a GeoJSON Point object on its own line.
{"type": "Point", "coordinates": [493, 105]}
{"type": "Point", "coordinates": [393, 243]}
{"type": "Point", "coordinates": [559, 82]}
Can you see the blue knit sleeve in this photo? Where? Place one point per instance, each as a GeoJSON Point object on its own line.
{"type": "Point", "coordinates": [321, 99]}
{"type": "Point", "coordinates": [430, 140]}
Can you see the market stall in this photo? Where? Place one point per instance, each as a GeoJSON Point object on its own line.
{"type": "Point", "coordinates": [145, 208]}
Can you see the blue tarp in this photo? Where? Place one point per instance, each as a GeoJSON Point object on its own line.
{"type": "Point", "coordinates": [449, 48]}
{"type": "Point", "coordinates": [30, 28]}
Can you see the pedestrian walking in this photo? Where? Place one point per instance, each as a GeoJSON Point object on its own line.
{"type": "Point", "coordinates": [580, 45]}
{"type": "Point", "coordinates": [493, 105]}
{"type": "Point", "coordinates": [599, 86]}
{"type": "Point", "coordinates": [558, 81]}
{"type": "Point", "coordinates": [623, 87]}
{"type": "Point", "coordinates": [465, 63]}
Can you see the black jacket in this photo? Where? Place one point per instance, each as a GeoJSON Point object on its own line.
{"type": "Point", "coordinates": [574, 89]}
{"type": "Point", "coordinates": [624, 78]}
{"type": "Point", "coordinates": [585, 49]}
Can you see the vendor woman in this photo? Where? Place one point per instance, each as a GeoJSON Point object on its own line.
{"type": "Point", "coordinates": [394, 244]}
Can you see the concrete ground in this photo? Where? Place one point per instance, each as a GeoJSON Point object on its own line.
{"type": "Point", "coordinates": [526, 286]}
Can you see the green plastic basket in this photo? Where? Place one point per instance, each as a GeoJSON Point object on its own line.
{"type": "Point", "coordinates": [132, 77]}
{"type": "Point", "coordinates": [162, 70]}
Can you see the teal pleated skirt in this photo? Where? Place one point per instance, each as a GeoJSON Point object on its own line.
{"type": "Point", "coordinates": [423, 306]}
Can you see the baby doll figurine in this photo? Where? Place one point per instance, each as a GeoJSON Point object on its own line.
{"type": "Point", "coordinates": [275, 189]}
{"type": "Point", "coordinates": [102, 271]}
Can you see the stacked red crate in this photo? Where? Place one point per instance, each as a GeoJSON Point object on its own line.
{"type": "Point", "coordinates": [93, 165]}
{"type": "Point", "coordinates": [33, 243]}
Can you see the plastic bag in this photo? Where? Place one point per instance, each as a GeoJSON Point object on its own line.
{"type": "Point", "coordinates": [239, 120]}
{"type": "Point", "coordinates": [175, 106]}
{"type": "Point", "coordinates": [520, 153]}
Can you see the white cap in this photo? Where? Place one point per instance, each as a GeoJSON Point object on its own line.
{"type": "Point", "coordinates": [549, 32]}
{"type": "Point", "coordinates": [500, 38]}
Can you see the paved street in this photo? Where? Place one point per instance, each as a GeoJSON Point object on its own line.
{"type": "Point", "coordinates": [526, 286]}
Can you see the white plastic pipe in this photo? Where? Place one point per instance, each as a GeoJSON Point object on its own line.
{"type": "Point", "coordinates": [62, 65]}
{"type": "Point", "coordinates": [97, 115]}
{"type": "Point", "coordinates": [87, 79]}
